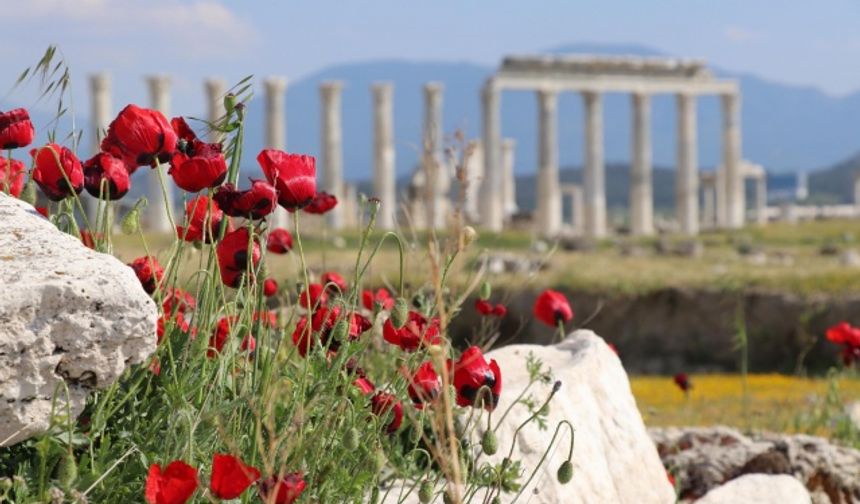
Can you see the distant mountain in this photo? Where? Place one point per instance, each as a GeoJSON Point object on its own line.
{"type": "Point", "coordinates": [836, 183]}
{"type": "Point", "coordinates": [785, 128]}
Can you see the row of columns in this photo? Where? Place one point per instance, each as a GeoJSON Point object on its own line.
{"type": "Point", "coordinates": [548, 214]}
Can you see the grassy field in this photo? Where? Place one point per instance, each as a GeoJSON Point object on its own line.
{"type": "Point", "coordinates": [793, 263]}
{"type": "Point", "coordinates": [772, 402]}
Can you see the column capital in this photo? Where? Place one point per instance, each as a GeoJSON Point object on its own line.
{"type": "Point", "coordinates": [100, 82]}
{"type": "Point", "coordinates": [330, 89]}
{"type": "Point", "coordinates": [547, 96]}
{"type": "Point", "coordinates": [158, 83]}
{"type": "Point", "coordinates": [382, 87]}
{"type": "Point", "coordinates": [592, 96]}
{"type": "Point", "coordinates": [214, 84]}
{"type": "Point", "coordinates": [433, 87]}
{"type": "Point", "coordinates": [275, 84]}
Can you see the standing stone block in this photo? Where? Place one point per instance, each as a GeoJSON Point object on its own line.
{"type": "Point", "coordinates": [67, 314]}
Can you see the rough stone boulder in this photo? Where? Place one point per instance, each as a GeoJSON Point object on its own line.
{"type": "Point", "coordinates": [614, 460]}
{"type": "Point", "coordinates": [706, 457]}
{"type": "Point", "coordinates": [760, 489]}
{"type": "Point", "coordinates": [67, 314]}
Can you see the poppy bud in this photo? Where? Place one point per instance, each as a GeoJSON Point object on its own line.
{"type": "Point", "coordinates": [374, 495]}
{"type": "Point", "coordinates": [341, 330]}
{"type": "Point", "coordinates": [229, 102]}
{"type": "Point", "coordinates": [67, 470]}
{"type": "Point", "coordinates": [496, 500]}
{"type": "Point", "coordinates": [565, 472]}
{"type": "Point", "coordinates": [425, 492]}
{"type": "Point", "coordinates": [489, 443]}
{"type": "Point", "coordinates": [29, 193]}
{"type": "Point", "coordinates": [468, 234]}
{"type": "Point", "coordinates": [352, 439]}
{"type": "Point", "coordinates": [131, 222]}
{"type": "Point", "coordinates": [486, 290]}
{"type": "Point", "coordinates": [400, 313]}
{"type": "Point", "coordinates": [378, 460]}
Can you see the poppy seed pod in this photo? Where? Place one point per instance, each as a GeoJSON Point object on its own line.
{"type": "Point", "coordinates": [565, 472]}
{"type": "Point", "coordinates": [425, 492]}
{"type": "Point", "coordinates": [486, 290]}
{"type": "Point", "coordinates": [399, 313]}
{"type": "Point", "coordinates": [351, 439]}
{"type": "Point", "coordinates": [488, 443]}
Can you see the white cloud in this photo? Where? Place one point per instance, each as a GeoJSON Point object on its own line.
{"type": "Point", "coordinates": [740, 35]}
{"type": "Point", "coordinates": [188, 29]}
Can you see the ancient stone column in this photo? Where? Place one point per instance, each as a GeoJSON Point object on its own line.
{"type": "Point", "coordinates": [548, 195]}
{"type": "Point", "coordinates": [474, 174]}
{"type": "Point", "coordinates": [709, 201]}
{"type": "Point", "coordinates": [491, 204]}
{"type": "Point", "coordinates": [687, 173]}
{"type": "Point", "coordinates": [733, 179]}
{"type": "Point", "coordinates": [577, 209]}
{"type": "Point", "coordinates": [384, 171]}
{"type": "Point", "coordinates": [276, 133]}
{"type": "Point", "coordinates": [594, 179]}
{"type": "Point", "coordinates": [438, 181]}
{"type": "Point", "coordinates": [332, 148]}
{"type": "Point", "coordinates": [158, 219]}
{"type": "Point", "coordinates": [215, 91]}
{"type": "Point", "coordinates": [509, 180]}
{"type": "Point", "coordinates": [641, 188]}
{"type": "Point", "coordinates": [100, 92]}
{"type": "Point", "coordinates": [761, 199]}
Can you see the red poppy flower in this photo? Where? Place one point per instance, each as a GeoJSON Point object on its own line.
{"type": "Point", "coordinates": [279, 241]}
{"type": "Point", "coordinates": [293, 175]}
{"type": "Point", "coordinates": [16, 129]}
{"type": "Point", "coordinates": [303, 337]}
{"type": "Point", "coordinates": [484, 307]}
{"type": "Point", "coordinates": [282, 490]}
{"type": "Point", "coordinates": [683, 382]}
{"type": "Point", "coordinates": [155, 366]}
{"type": "Point", "coordinates": [270, 287]}
{"type": "Point", "coordinates": [416, 332]}
{"type": "Point", "coordinates": [220, 335]}
{"type": "Point", "coordinates": [333, 282]}
{"type": "Point", "coordinates": [471, 373]}
{"type": "Point", "coordinates": [383, 403]}
{"type": "Point", "coordinates": [203, 223]}
{"type": "Point", "coordinates": [551, 307]}
{"type": "Point", "coordinates": [148, 271]}
{"type": "Point", "coordinates": [195, 165]}
{"type": "Point", "coordinates": [106, 167]}
{"type": "Point", "coordinates": [57, 171]}
{"type": "Point", "coordinates": [177, 321]}
{"type": "Point", "coordinates": [12, 176]}
{"type": "Point", "coordinates": [140, 137]}
{"type": "Point", "coordinates": [230, 477]}
{"type": "Point", "coordinates": [424, 385]}
{"type": "Point", "coordinates": [381, 297]}
{"type": "Point", "coordinates": [364, 385]}
{"type": "Point", "coordinates": [88, 240]}
{"type": "Point", "coordinates": [43, 211]}
{"type": "Point", "coordinates": [255, 203]}
{"type": "Point", "coordinates": [314, 296]}
{"type": "Point", "coordinates": [844, 334]}
{"type": "Point", "coordinates": [175, 485]}
{"type": "Point", "coordinates": [178, 299]}
{"type": "Point", "coordinates": [233, 258]}
{"type": "Point", "coordinates": [500, 310]}
{"type": "Point", "coordinates": [324, 320]}
{"type": "Point", "coordinates": [322, 203]}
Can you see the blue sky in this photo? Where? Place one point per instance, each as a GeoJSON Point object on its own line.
{"type": "Point", "coordinates": [793, 41]}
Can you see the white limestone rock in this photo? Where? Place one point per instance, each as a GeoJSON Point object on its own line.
{"type": "Point", "coordinates": [614, 460]}
{"type": "Point", "coordinates": [759, 489]}
{"type": "Point", "coordinates": [67, 313]}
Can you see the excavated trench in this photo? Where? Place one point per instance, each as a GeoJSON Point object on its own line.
{"type": "Point", "coordinates": [694, 330]}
